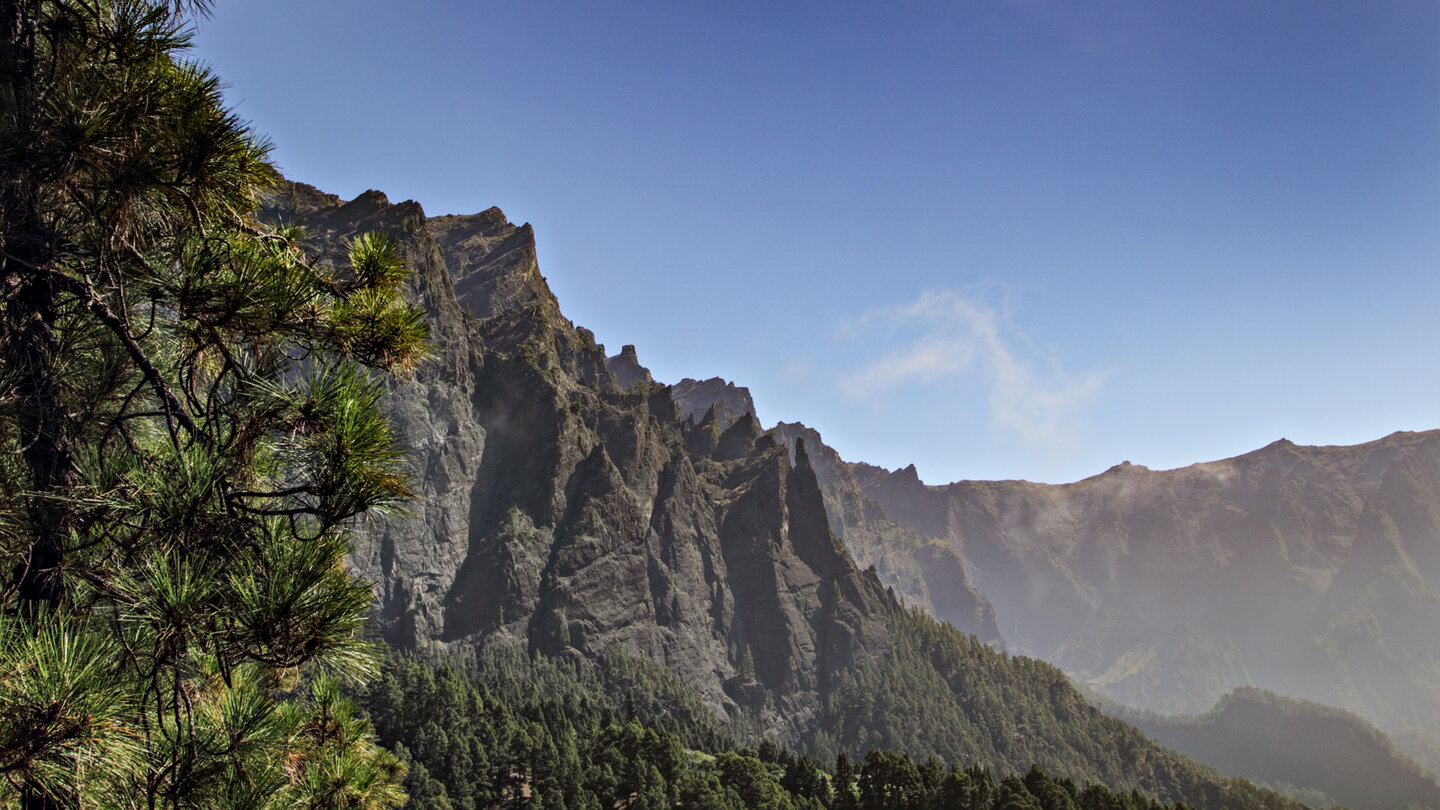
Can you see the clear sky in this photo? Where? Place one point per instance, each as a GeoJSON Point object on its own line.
{"type": "Point", "coordinates": [997, 239]}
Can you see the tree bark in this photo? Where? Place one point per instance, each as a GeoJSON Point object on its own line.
{"type": "Point", "coordinates": [28, 345]}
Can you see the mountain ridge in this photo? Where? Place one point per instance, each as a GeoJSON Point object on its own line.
{"type": "Point", "coordinates": [916, 554]}
{"type": "Point", "coordinates": [1285, 743]}
{"type": "Point", "coordinates": [566, 515]}
{"type": "Point", "coordinates": [1327, 559]}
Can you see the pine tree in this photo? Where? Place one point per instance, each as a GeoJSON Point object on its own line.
{"type": "Point", "coordinates": [844, 784]}
{"type": "Point", "coordinates": [189, 427]}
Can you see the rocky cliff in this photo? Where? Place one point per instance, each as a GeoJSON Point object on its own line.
{"type": "Point", "coordinates": [559, 511]}
{"type": "Point", "coordinates": [923, 569]}
{"type": "Point", "coordinates": [693, 397]}
{"type": "Point", "coordinates": [729, 400]}
{"type": "Point", "coordinates": [570, 515]}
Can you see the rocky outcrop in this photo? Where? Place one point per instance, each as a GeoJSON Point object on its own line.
{"type": "Point", "coordinates": [627, 369]}
{"type": "Point", "coordinates": [695, 398]}
{"type": "Point", "coordinates": [923, 569]}
{"type": "Point", "coordinates": [730, 401]}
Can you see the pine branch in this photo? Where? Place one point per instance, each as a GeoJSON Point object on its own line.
{"type": "Point", "coordinates": [174, 411]}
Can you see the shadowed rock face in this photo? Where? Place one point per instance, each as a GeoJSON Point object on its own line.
{"type": "Point", "coordinates": [923, 569]}
{"type": "Point", "coordinates": [566, 512]}
{"type": "Point", "coordinates": [413, 560]}
{"type": "Point", "coordinates": [1310, 571]}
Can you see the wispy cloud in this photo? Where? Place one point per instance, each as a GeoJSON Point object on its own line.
{"type": "Point", "coordinates": [948, 334]}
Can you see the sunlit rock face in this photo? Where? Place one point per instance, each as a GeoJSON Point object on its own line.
{"type": "Point", "coordinates": [729, 400]}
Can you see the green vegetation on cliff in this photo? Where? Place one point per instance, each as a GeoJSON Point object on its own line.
{"type": "Point", "coordinates": [980, 706]}
{"type": "Point", "coordinates": [507, 729]}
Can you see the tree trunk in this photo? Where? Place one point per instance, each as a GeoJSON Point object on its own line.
{"type": "Point", "coordinates": [28, 346]}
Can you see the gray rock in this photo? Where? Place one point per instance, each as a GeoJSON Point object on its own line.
{"type": "Point", "coordinates": [563, 509]}
{"type": "Point", "coordinates": [730, 401]}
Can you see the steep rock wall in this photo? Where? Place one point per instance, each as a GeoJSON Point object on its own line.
{"type": "Point", "coordinates": [560, 512]}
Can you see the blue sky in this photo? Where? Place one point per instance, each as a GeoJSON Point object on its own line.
{"type": "Point", "coordinates": [1013, 239]}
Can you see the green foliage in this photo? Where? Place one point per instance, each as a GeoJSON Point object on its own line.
{"type": "Point", "coordinates": [63, 704]}
{"type": "Point", "coordinates": [1007, 713]}
{"type": "Point", "coordinates": [752, 782]}
{"type": "Point", "coordinates": [190, 425]}
{"type": "Point", "coordinates": [506, 725]}
{"type": "Point", "coordinates": [514, 730]}
{"type": "Point", "coordinates": [890, 780]}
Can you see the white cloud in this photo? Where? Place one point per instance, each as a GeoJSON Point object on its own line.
{"type": "Point", "coordinates": [947, 334]}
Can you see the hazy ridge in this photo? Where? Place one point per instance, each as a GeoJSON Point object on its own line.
{"type": "Point", "coordinates": [1309, 571]}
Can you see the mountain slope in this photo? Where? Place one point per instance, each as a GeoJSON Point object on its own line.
{"type": "Point", "coordinates": [1309, 571]}
{"type": "Point", "coordinates": [1275, 740]}
{"type": "Point", "coordinates": [568, 517]}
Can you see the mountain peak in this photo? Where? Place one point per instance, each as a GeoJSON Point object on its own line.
{"type": "Point", "coordinates": [731, 401]}
{"type": "Point", "coordinates": [626, 367]}
{"type": "Point", "coordinates": [494, 263]}
{"type": "Point", "coordinates": [802, 458]}
{"type": "Point", "coordinates": [368, 203]}
{"type": "Point", "coordinates": [1126, 467]}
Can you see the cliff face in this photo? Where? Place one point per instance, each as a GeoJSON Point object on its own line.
{"type": "Point", "coordinates": [561, 512]}
{"type": "Point", "coordinates": [922, 568]}
{"type": "Point", "coordinates": [569, 515]}
{"type": "Point", "coordinates": [1310, 571]}
{"type": "Point", "coordinates": [413, 559]}
{"type": "Point", "coordinates": [729, 400]}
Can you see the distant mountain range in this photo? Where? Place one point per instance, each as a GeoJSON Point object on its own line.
{"type": "Point", "coordinates": [1313, 572]}
{"type": "Point", "coordinates": [572, 506]}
